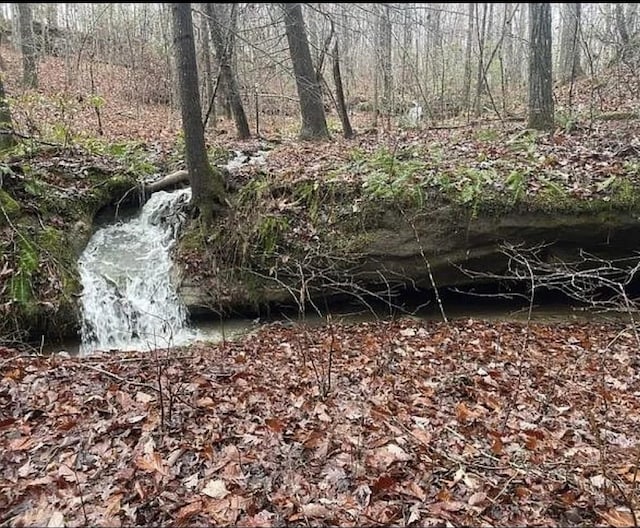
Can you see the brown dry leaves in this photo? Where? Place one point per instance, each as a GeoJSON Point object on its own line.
{"type": "Point", "coordinates": [425, 424]}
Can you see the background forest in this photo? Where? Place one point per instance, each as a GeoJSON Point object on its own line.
{"type": "Point", "coordinates": [111, 65]}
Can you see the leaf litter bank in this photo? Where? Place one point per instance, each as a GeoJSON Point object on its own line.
{"type": "Point", "coordinates": [404, 423]}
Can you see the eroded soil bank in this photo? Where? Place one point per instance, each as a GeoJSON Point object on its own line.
{"type": "Point", "coordinates": [48, 201]}
{"type": "Point", "coordinates": [376, 220]}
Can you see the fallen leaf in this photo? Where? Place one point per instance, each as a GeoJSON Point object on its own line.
{"type": "Point", "coordinates": [463, 414]}
{"type": "Point", "coordinates": [206, 402]}
{"type": "Point", "coordinates": [477, 498]}
{"type": "Point", "coordinates": [114, 505]}
{"type": "Point", "coordinates": [21, 443]}
{"type": "Point", "coordinates": [186, 512]}
{"type": "Point", "coordinates": [414, 514]}
{"type": "Point", "coordinates": [412, 488]}
{"type": "Point", "coordinates": [384, 482]}
{"type": "Point", "coordinates": [26, 469]}
{"type": "Point", "coordinates": [151, 462]}
{"type": "Point", "coordinates": [497, 447]}
{"type": "Point", "coordinates": [618, 518]}
{"type": "Point", "coordinates": [316, 511]}
{"type": "Point", "coordinates": [423, 436]}
{"type": "Point", "coordinates": [444, 495]}
{"type": "Point", "coordinates": [143, 397]}
{"type": "Point", "coordinates": [216, 489]}
{"type": "Point", "coordinates": [56, 520]}
{"type": "Point", "coordinates": [363, 495]}
{"type": "Point", "coordinates": [262, 519]}
{"type": "Point", "coordinates": [277, 426]}
{"type": "Point", "coordinates": [191, 481]}
{"type": "Point", "coordinates": [385, 456]}
{"type": "Point", "coordinates": [598, 481]}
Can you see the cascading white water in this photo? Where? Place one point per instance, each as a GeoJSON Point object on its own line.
{"type": "Point", "coordinates": [128, 300]}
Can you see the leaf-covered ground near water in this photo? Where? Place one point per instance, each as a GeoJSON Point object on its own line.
{"type": "Point", "coordinates": [400, 423]}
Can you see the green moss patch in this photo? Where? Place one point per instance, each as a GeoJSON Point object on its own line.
{"type": "Point", "coordinates": [9, 208]}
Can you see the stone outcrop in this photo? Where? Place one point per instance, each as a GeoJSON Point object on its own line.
{"type": "Point", "coordinates": [448, 240]}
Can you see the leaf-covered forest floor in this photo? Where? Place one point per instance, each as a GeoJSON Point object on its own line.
{"type": "Point", "coordinates": [387, 423]}
{"type": "Point", "coordinates": [391, 423]}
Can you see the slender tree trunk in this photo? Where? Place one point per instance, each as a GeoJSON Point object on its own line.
{"type": "Point", "coordinates": [314, 125]}
{"type": "Point", "coordinates": [520, 62]}
{"type": "Point", "coordinates": [481, 29]}
{"type": "Point", "coordinates": [15, 23]}
{"type": "Point", "coordinates": [437, 58]}
{"type": "Point", "coordinates": [207, 185]}
{"type": "Point", "coordinates": [7, 139]}
{"type": "Point", "coordinates": [346, 39]}
{"type": "Point", "coordinates": [347, 131]}
{"type": "Point", "coordinates": [507, 45]}
{"type": "Point", "coordinates": [49, 26]}
{"type": "Point", "coordinates": [209, 107]}
{"type": "Point", "coordinates": [540, 67]}
{"type": "Point", "coordinates": [27, 46]}
{"type": "Point", "coordinates": [570, 43]}
{"type": "Point", "coordinates": [406, 45]}
{"type": "Point", "coordinates": [224, 52]}
{"type": "Point", "coordinates": [385, 60]}
{"type": "Point", "coordinates": [466, 88]}
{"type": "Point", "coordinates": [623, 32]}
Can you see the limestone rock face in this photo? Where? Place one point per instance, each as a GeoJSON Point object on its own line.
{"type": "Point", "coordinates": [451, 241]}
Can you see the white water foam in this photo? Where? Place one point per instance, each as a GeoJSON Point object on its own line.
{"type": "Point", "coordinates": [128, 300]}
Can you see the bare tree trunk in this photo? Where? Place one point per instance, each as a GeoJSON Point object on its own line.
{"type": "Point", "coordinates": [540, 67]}
{"type": "Point", "coordinates": [224, 51]}
{"type": "Point", "coordinates": [466, 88]}
{"type": "Point", "coordinates": [507, 45]}
{"type": "Point", "coordinates": [625, 51]}
{"type": "Point", "coordinates": [385, 59]}
{"type": "Point", "coordinates": [209, 107]}
{"type": "Point", "coordinates": [171, 81]}
{"type": "Point", "coordinates": [520, 62]}
{"type": "Point", "coordinates": [570, 43]}
{"type": "Point", "coordinates": [7, 139]}
{"type": "Point", "coordinates": [27, 46]}
{"type": "Point", "coordinates": [437, 57]}
{"type": "Point", "coordinates": [314, 125]}
{"type": "Point", "coordinates": [207, 185]}
{"type": "Point", "coordinates": [406, 44]}
{"type": "Point", "coordinates": [48, 28]}
{"type": "Point", "coordinates": [347, 131]}
{"type": "Point", "coordinates": [345, 36]}
{"type": "Point", "coordinates": [481, 31]}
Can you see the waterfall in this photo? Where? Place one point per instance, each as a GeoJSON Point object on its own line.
{"type": "Point", "coordinates": [128, 300]}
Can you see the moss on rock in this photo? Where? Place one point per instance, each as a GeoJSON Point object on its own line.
{"type": "Point", "coordinates": [9, 208]}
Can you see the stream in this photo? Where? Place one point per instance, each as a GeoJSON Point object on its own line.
{"type": "Point", "coordinates": [216, 330]}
